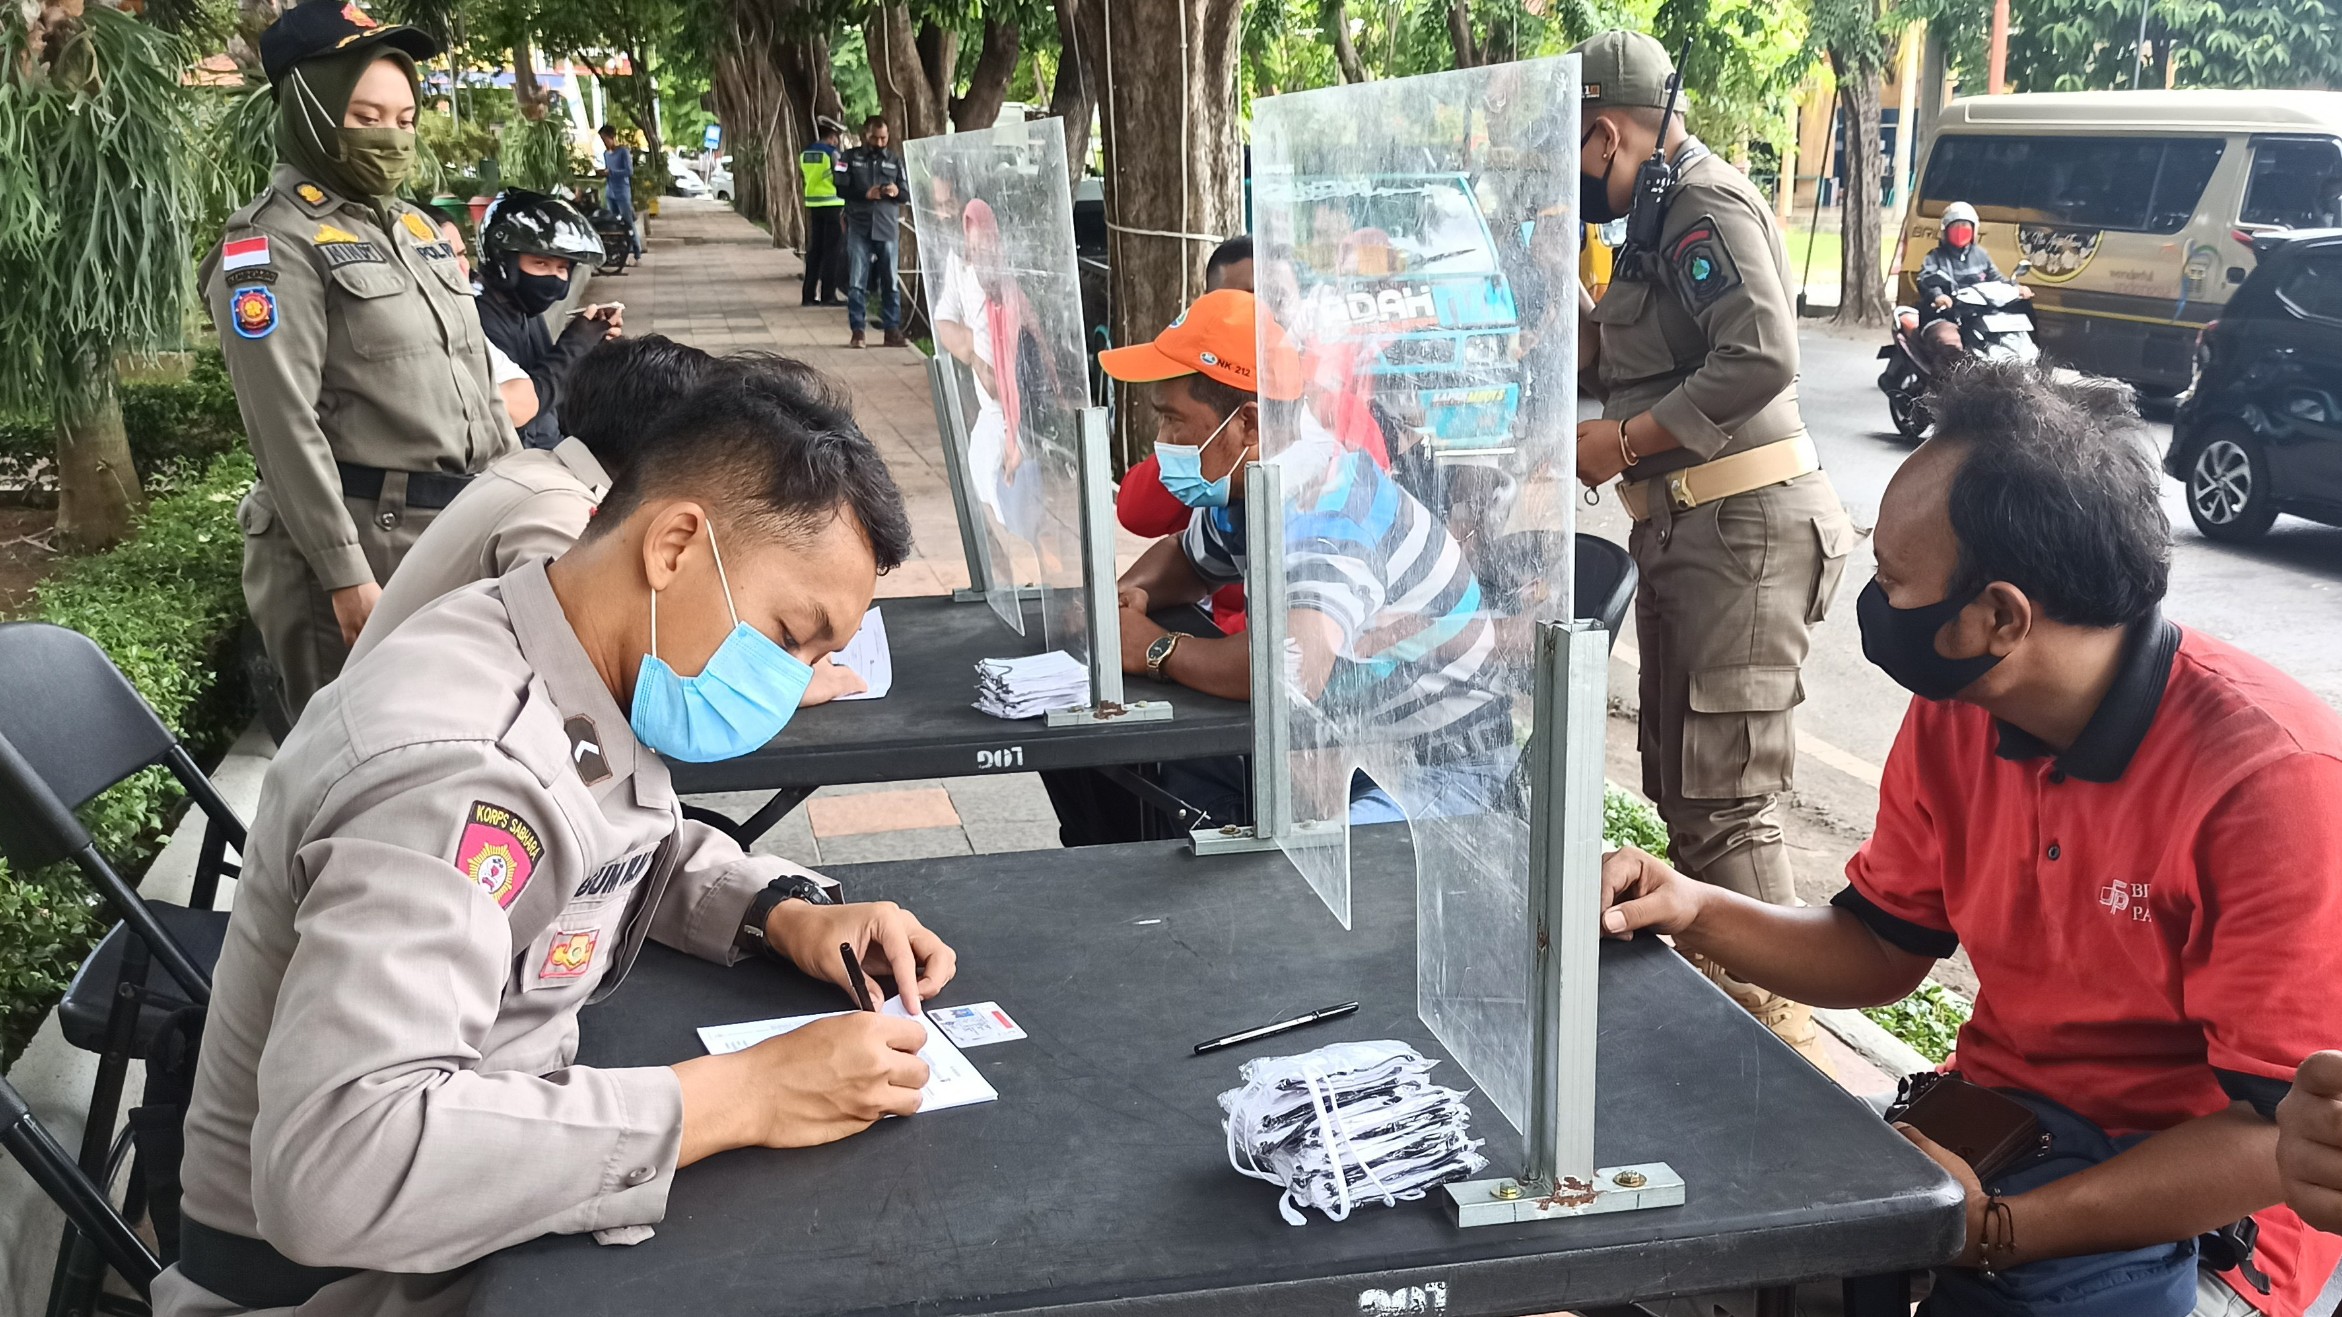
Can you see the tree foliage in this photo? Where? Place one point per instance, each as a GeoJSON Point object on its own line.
{"type": "Point", "coordinates": [2082, 45]}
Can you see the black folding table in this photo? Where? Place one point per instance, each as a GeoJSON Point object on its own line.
{"type": "Point", "coordinates": [928, 726]}
{"type": "Point", "coordinates": [1098, 1183]}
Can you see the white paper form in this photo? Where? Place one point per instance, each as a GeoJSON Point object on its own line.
{"type": "Point", "coordinates": [951, 1081]}
{"type": "Point", "coordinates": [868, 657]}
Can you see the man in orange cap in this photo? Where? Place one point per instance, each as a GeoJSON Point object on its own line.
{"type": "Point", "coordinates": [1379, 599]}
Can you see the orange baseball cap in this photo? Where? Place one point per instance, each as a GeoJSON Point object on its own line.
{"type": "Point", "coordinates": [1214, 337]}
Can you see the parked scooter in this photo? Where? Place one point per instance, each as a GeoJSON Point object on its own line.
{"type": "Point", "coordinates": [1996, 324]}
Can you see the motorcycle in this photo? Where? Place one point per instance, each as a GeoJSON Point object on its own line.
{"type": "Point", "coordinates": [1996, 324]}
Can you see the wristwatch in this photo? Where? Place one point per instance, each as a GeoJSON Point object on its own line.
{"type": "Point", "coordinates": [793, 887]}
{"type": "Point", "coordinates": [1159, 653]}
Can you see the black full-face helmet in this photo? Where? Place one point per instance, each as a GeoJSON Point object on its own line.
{"type": "Point", "coordinates": [520, 222]}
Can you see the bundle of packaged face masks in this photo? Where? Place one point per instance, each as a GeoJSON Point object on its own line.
{"type": "Point", "coordinates": [1348, 1124]}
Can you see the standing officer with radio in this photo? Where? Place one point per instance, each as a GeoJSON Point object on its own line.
{"type": "Point", "coordinates": [348, 328]}
{"type": "Point", "coordinates": [1738, 534]}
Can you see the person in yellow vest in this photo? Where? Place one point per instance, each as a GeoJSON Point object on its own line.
{"type": "Point", "coordinates": [825, 218]}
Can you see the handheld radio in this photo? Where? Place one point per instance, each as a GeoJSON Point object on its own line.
{"type": "Point", "coordinates": [1646, 215]}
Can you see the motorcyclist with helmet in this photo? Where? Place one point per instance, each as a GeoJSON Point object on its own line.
{"type": "Point", "coordinates": [530, 246]}
{"type": "Point", "coordinates": [1956, 262]}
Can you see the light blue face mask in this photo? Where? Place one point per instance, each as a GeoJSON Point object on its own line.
{"type": "Point", "coordinates": [740, 701]}
{"type": "Point", "coordinates": [1183, 472]}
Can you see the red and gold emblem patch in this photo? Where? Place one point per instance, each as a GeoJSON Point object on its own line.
{"type": "Point", "coordinates": [253, 309]}
{"type": "Point", "coordinates": [499, 850]}
{"type": "Point", "coordinates": [571, 954]}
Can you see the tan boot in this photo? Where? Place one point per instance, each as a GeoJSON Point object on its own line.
{"type": "Point", "coordinates": [1790, 1021]}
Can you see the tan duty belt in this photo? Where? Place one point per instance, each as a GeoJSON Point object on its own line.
{"type": "Point", "coordinates": [1775, 463]}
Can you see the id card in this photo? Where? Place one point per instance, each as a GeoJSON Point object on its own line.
{"type": "Point", "coordinates": [974, 1026]}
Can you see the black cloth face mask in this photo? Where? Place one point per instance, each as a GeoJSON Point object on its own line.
{"type": "Point", "coordinates": [1594, 194]}
{"type": "Point", "coordinates": [539, 293]}
{"type": "Point", "coordinates": [1901, 643]}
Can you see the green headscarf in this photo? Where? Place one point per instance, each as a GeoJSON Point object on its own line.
{"type": "Point", "coordinates": [364, 164]}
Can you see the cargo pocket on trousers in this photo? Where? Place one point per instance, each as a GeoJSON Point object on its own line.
{"type": "Point", "coordinates": [1838, 537]}
{"type": "Point", "coordinates": [254, 515]}
{"type": "Point", "coordinates": [1738, 740]}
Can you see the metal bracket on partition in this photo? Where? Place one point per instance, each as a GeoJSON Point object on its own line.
{"type": "Point", "coordinates": [1101, 598]}
{"type": "Point", "coordinates": [1565, 760]}
{"type": "Point", "coordinates": [951, 422]}
{"type": "Point", "coordinates": [1264, 629]}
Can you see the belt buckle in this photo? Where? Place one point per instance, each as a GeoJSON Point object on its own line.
{"type": "Point", "coordinates": [1679, 492]}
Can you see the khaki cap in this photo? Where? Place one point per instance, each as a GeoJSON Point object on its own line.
{"type": "Point", "coordinates": [1620, 68]}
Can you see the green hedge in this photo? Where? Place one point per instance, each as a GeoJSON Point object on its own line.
{"type": "Point", "coordinates": [166, 607]}
{"type": "Point", "coordinates": [176, 427]}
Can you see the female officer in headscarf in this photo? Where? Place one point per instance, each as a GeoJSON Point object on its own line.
{"type": "Point", "coordinates": [349, 331]}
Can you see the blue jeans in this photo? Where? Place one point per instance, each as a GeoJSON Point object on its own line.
{"type": "Point", "coordinates": [2159, 1281]}
{"type": "Point", "coordinates": [618, 199]}
{"type": "Point", "coordinates": [862, 251]}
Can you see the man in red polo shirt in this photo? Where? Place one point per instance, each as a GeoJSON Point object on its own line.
{"type": "Point", "coordinates": [2132, 827]}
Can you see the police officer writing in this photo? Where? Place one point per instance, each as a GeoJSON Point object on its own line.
{"type": "Point", "coordinates": [1737, 534]}
{"type": "Point", "coordinates": [359, 366]}
{"type": "Point", "coordinates": [530, 247]}
{"type": "Point", "coordinates": [472, 841]}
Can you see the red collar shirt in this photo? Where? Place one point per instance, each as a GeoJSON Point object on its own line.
{"type": "Point", "coordinates": [2154, 915]}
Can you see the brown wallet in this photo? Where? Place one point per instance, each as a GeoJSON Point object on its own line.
{"type": "Point", "coordinates": [1990, 1131]}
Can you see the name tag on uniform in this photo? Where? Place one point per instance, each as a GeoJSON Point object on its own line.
{"type": "Point", "coordinates": [339, 254]}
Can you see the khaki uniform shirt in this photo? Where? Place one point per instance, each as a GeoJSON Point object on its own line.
{"type": "Point", "coordinates": [459, 846]}
{"type": "Point", "coordinates": [530, 504]}
{"type": "Point", "coordinates": [347, 343]}
{"type": "Point", "coordinates": [1708, 345]}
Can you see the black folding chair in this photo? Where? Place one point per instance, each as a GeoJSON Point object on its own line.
{"type": "Point", "coordinates": [71, 726]}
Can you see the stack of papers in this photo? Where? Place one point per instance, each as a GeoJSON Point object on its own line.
{"type": "Point", "coordinates": [1348, 1124]}
{"type": "Point", "coordinates": [951, 1080]}
{"type": "Point", "coordinates": [868, 657]}
{"type": "Point", "coordinates": [1031, 686]}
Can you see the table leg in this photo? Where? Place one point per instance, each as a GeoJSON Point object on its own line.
{"type": "Point", "coordinates": [1876, 1296]}
{"type": "Point", "coordinates": [751, 829]}
{"type": "Point", "coordinates": [1181, 814]}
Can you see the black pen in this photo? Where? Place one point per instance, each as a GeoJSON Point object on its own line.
{"type": "Point", "coordinates": [1281, 1026]}
{"type": "Point", "coordinates": [854, 976]}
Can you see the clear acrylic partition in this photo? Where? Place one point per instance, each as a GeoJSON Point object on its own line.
{"type": "Point", "coordinates": [1416, 239]}
{"type": "Point", "coordinates": [994, 216]}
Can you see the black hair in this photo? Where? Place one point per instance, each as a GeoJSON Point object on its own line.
{"type": "Point", "coordinates": [608, 131]}
{"type": "Point", "coordinates": [746, 445]}
{"type": "Point", "coordinates": [620, 389]}
{"type": "Point", "coordinates": [874, 121]}
{"type": "Point", "coordinates": [1232, 251]}
{"type": "Point", "coordinates": [820, 401]}
{"type": "Point", "coordinates": [2055, 493]}
{"type": "Point", "coordinates": [1222, 399]}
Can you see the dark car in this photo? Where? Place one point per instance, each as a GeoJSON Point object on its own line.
{"type": "Point", "coordinates": [2260, 432]}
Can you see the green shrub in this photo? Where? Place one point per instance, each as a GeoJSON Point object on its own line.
{"type": "Point", "coordinates": [1629, 820]}
{"type": "Point", "coordinates": [176, 427]}
{"type": "Point", "coordinates": [1929, 1019]}
{"type": "Point", "coordinates": [165, 606]}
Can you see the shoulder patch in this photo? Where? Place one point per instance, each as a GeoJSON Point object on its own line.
{"type": "Point", "coordinates": [328, 233]}
{"type": "Point", "coordinates": [310, 194]}
{"type": "Point", "coordinates": [499, 850]}
{"type": "Point", "coordinates": [1703, 268]}
{"type": "Point", "coordinates": [253, 310]}
{"type": "Point", "coordinates": [244, 253]}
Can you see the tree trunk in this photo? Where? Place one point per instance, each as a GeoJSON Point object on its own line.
{"type": "Point", "coordinates": [528, 96]}
{"type": "Point", "coordinates": [252, 19]}
{"type": "Point", "coordinates": [904, 63]}
{"type": "Point", "coordinates": [1862, 295]}
{"type": "Point", "coordinates": [988, 82]}
{"type": "Point", "coordinates": [1074, 96]}
{"type": "Point", "coordinates": [97, 484]}
{"type": "Point", "coordinates": [1172, 184]}
{"type": "Point", "coordinates": [1336, 18]}
{"type": "Point", "coordinates": [1459, 33]}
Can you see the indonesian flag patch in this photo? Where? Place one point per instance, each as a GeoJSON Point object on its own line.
{"type": "Point", "coordinates": [243, 253]}
{"type": "Point", "coordinates": [499, 850]}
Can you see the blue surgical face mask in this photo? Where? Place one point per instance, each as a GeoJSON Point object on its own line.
{"type": "Point", "coordinates": [739, 701]}
{"type": "Point", "coordinates": [1183, 471]}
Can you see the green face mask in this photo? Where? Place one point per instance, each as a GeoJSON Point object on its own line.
{"type": "Point", "coordinates": [377, 161]}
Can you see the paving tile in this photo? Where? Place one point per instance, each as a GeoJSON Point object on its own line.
{"type": "Point", "coordinates": [915, 844]}
{"type": "Point", "coordinates": [1003, 798]}
{"type": "Point", "coordinates": [1001, 838]}
{"type": "Point", "coordinates": [880, 811]}
{"type": "Point", "coordinates": [791, 838]}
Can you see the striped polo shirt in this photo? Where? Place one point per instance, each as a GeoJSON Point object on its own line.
{"type": "Point", "coordinates": [1359, 549]}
